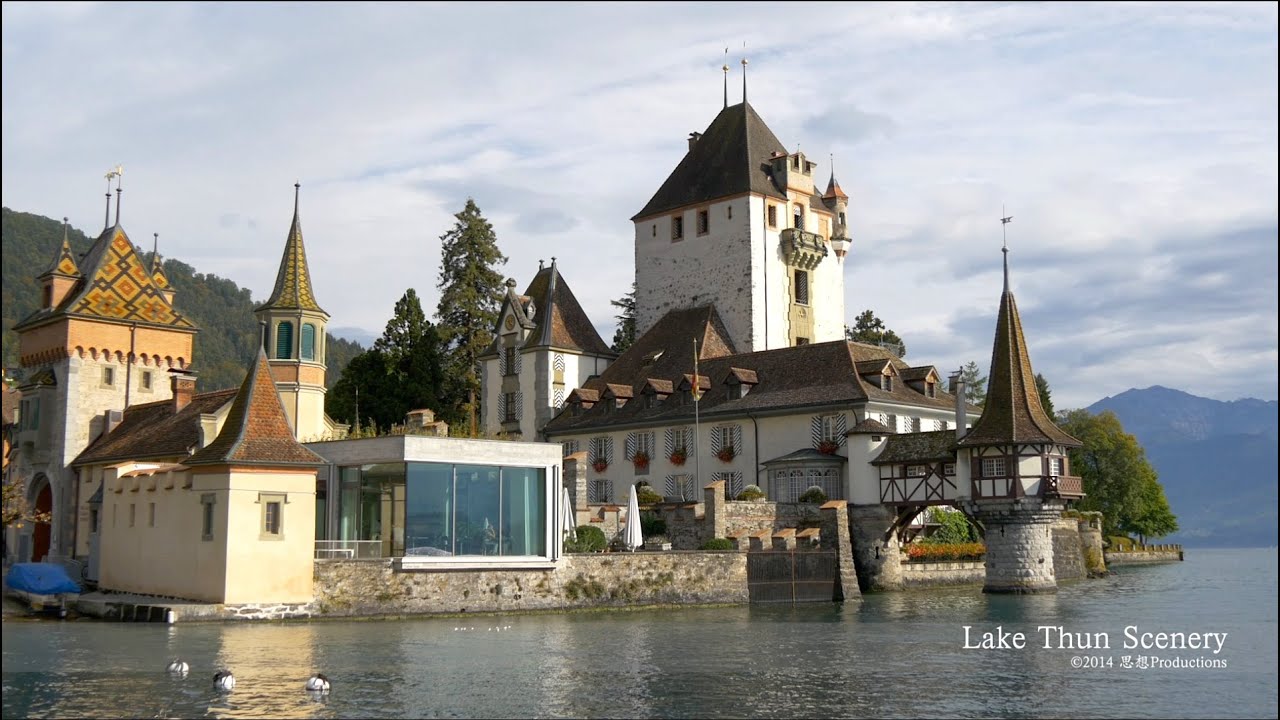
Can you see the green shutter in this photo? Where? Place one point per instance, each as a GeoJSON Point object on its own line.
{"type": "Point", "coordinates": [308, 342]}
{"type": "Point", "coordinates": [284, 340]}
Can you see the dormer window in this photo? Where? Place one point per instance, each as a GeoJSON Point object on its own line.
{"type": "Point", "coordinates": [930, 389]}
{"type": "Point", "coordinates": [886, 383]}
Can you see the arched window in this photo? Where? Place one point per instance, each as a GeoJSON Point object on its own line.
{"type": "Point", "coordinates": [799, 217]}
{"type": "Point", "coordinates": [284, 340]}
{"type": "Point", "coordinates": [308, 341]}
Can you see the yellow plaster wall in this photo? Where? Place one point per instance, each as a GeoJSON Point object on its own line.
{"type": "Point", "coordinates": [270, 570]}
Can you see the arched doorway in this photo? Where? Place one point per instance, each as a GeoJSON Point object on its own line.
{"type": "Point", "coordinates": [41, 531]}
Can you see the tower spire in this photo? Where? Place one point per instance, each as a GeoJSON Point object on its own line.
{"type": "Point", "coordinates": [106, 219]}
{"type": "Point", "coordinates": [744, 78]}
{"type": "Point", "coordinates": [1004, 222]}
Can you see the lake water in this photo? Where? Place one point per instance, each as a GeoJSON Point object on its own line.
{"type": "Point", "coordinates": [892, 655]}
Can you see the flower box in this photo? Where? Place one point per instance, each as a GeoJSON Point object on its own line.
{"type": "Point", "coordinates": [640, 460]}
{"type": "Point", "coordinates": [600, 465]}
{"type": "Point", "coordinates": [828, 447]}
{"type": "Point", "coordinates": [726, 454]}
{"type": "Point", "coordinates": [678, 457]}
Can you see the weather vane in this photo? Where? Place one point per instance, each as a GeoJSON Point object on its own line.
{"type": "Point", "coordinates": [1004, 221]}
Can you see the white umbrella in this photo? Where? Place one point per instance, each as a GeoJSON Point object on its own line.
{"type": "Point", "coordinates": [568, 518]}
{"type": "Point", "coordinates": [632, 537]}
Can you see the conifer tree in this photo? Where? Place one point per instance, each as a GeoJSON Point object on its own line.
{"type": "Point", "coordinates": [625, 335]}
{"type": "Point", "coordinates": [471, 291]}
{"type": "Point", "coordinates": [975, 383]}
{"type": "Point", "coordinates": [871, 330]}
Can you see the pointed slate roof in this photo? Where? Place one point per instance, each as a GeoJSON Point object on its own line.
{"type": "Point", "coordinates": [730, 158]}
{"type": "Point", "coordinates": [293, 280]}
{"type": "Point", "coordinates": [256, 431]}
{"type": "Point", "coordinates": [833, 189]}
{"type": "Point", "coordinates": [1012, 411]}
{"type": "Point", "coordinates": [558, 318]}
{"type": "Point", "coordinates": [64, 261]}
{"type": "Point", "coordinates": [115, 285]}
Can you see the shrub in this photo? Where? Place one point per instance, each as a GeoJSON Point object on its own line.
{"type": "Point", "coordinates": [719, 544]}
{"type": "Point", "coordinates": [953, 529]}
{"type": "Point", "coordinates": [813, 494]}
{"type": "Point", "coordinates": [751, 492]}
{"type": "Point", "coordinates": [645, 495]}
{"type": "Point", "coordinates": [923, 552]}
{"type": "Point", "coordinates": [589, 539]}
{"type": "Point", "coordinates": [651, 524]}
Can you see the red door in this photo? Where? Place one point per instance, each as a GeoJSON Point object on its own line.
{"type": "Point", "coordinates": [40, 533]}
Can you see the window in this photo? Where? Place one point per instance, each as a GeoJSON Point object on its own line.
{"type": "Point", "coordinates": [831, 428]}
{"type": "Point", "coordinates": [797, 216]}
{"type": "Point", "coordinates": [108, 376]}
{"type": "Point", "coordinates": [598, 491]}
{"type": "Point", "coordinates": [509, 407]}
{"type": "Point", "coordinates": [993, 467]}
{"type": "Point", "coordinates": [842, 218]}
{"type": "Point", "coordinates": [801, 287]}
{"type": "Point", "coordinates": [773, 216]}
{"type": "Point", "coordinates": [886, 383]}
{"type": "Point", "coordinates": [655, 229]}
{"type": "Point", "coordinates": [640, 442]}
{"type": "Point", "coordinates": [570, 447]}
{"type": "Point", "coordinates": [802, 341]}
{"type": "Point", "coordinates": [145, 380]}
{"type": "Point", "coordinates": [207, 501]}
{"type": "Point", "coordinates": [93, 520]}
{"type": "Point", "coordinates": [729, 212]}
{"type": "Point", "coordinates": [48, 296]}
{"type": "Point", "coordinates": [272, 515]}
{"type": "Point", "coordinates": [601, 450]}
{"type": "Point", "coordinates": [891, 421]}
{"type": "Point", "coordinates": [677, 228]}
{"type": "Point", "coordinates": [284, 340]}
{"type": "Point", "coordinates": [133, 513]}
{"type": "Point", "coordinates": [733, 485]}
{"type": "Point", "coordinates": [930, 389]}
{"type": "Point", "coordinates": [510, 361]}
{"type": "Point", "coordinates": [1055, 466]}
{"type": "Point", "coordinates": [913, 424]}
{"type": "Point", "coordinates": [916, 471]}
{"type": "Point", "coordinates": [151, 514]}
{"type": "Point", "coordinates": [704, 222]}
{"type": "Point", "coordinates": [308, 342]}
{"type": "Point", "coordinates": [949, 469]}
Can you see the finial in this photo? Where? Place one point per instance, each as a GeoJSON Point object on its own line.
{"type": "Point", "coordinates": [119, 171]}
{"type": "Point", "coordinates": [539, 263]}
{"type": "Point", "coordinates": [297, 186]}
{"type": "Point", "coordinates": [744, 76]}
{"type": "Point", "coordinates": [106, 219]}
{"type": "Point", "coordinates": [262, 335]}
{"type": "Point", "coordinates": [64, 229]}
{"type": "Point", "coordinates": [726, 77]}
{"type": "Point", "coordinates": [511, 283]}
{"type": "Point", "coordinates": [553, 261]}
{"type": "Point", "coordinates": [155, 248]}
{"type": "Point", "coordinates": [1004, 222]}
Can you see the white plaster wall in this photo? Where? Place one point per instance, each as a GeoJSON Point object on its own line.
{"type": "Point", "coordinates": [864, 478]}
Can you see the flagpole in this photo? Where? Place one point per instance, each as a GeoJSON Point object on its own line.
{"type": "Point", "coordinates": [697, 456]}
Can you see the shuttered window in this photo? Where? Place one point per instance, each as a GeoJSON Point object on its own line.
{"type": "Point", "coordinates": [284, 340]}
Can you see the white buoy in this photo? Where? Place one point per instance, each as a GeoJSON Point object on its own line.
{"type": "Point", "coordinates": [178, 667]}
{"type": "Point", "coordinates": [223, 680]}
{"type": "Point", "coordinates": [318, 683]}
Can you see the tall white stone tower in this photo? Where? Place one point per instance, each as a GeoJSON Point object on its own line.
{"type": "Point", "coordinates": [740, 224]}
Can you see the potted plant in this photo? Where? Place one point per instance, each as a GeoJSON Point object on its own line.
{"type": "Point", "coordinates": [828, 447]}
{"type": "Point", "coordinates": [640, 459]}
{"type": "Point", "coordinates": [726, 453]}
{"type": "Point", "coordinates": [678, 456]}
{"type": "Point", "coordinates": [657, 542]}
{"type": "Point", "coordinates": [600, 465]}
{"type": "Point", "coordinates": [750, 493]}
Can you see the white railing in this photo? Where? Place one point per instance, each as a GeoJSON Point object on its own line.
{"type": "Point", "coordinates": [348, 549]}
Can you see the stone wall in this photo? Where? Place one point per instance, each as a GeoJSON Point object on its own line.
{"type": "Point", "coordinates": [877, 560]}
{"type": "Point", "coordinates": [374, 587]}
{"type": "Point", "coordinates": [1139, 557]}
{"type": "Point", "coordinates": [1020, 545]}
{"type": "Point", "coordinates": [927, 574]}
{"type": "Point", "coordinates": [1068, 551]}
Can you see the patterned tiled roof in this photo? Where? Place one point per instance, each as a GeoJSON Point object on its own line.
{"type": "Point", "coordinates": [918, 447]}
{"type": "Point", "coordinates": [154, 430]}
{"type": "Point", "coordinates": [730, 158]}
{"type": "Point", "coordinates": [116, 285]}
{"type": "Point", "coordinates": [256, 430]}
{"type": "Point", "coordinates": [293, 280]}
{"type": "Point", "coordinates": [812, 375]}
{"type": "Point", "coordinates": [157, 274]}
{"type": "Point", "coordinates": [1012, 411]}
{"type": "Point", "coordinates": [64, 261]}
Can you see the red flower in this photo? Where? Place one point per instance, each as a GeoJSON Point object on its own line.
{"type": "Point", "coordinates": [828, 447]}
{"type": "Point", "coordinates": [640, 459]}
{"type": "Point", "coordinates": [678, 457]}
{"type": "Point", "coordinates": [600, 465]}
{"type": "Point", "coordinates": [726, 453]}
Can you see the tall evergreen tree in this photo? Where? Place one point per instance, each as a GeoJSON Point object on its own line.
{"type": "Point", "coordinates": [975, 383]}
{"type": "Point", "coordinates": [625, 335]}
{"type": "Point", "coordinates": [871, 330]}
{"type": "Point", "coordinates": [470, 296]}
{"type": "Point", "coordinates": [1046, 396]}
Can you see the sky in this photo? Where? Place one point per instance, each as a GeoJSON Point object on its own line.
{"type": "Point", "coordinates": [1134, 145]}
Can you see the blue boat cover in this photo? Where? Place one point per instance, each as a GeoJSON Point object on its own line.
{"type": "Point", "coordinates": [41, 579]}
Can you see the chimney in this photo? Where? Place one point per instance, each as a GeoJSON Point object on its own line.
{"type": "Point", "coordinates": [693, 139]}
{"type": "Point", "coordinates": [111, 419]}
{"type": "Point", "coordinates": [962, 409]}
{"type": "Point", "coordinates": [183, 383]}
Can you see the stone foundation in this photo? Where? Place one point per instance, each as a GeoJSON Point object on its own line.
{"type": "Point", "coordinates": [929, 574]}
{"type": "Point", "coordinates": [1019, 537]}
{"type": "Point", "coordinates": [878, 561]}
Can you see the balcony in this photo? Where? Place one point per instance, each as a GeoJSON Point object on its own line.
{"type": "Point", "coordinates": [802, 249]}
{"type": "Point", "coordinates": [1063, 486]}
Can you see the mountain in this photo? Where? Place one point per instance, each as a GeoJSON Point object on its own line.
{"type": "Point", "coordinates": [1215, 459]}
{"type": "Point", "coordinates": [222, 310]}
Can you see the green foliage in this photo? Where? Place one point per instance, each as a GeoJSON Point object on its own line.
{"type": "Point", "coordinates": [229, 333]}
{"type": "Point", "coordinates": [646, 495]}
{"type": "Point", "coordinates": [751, 492]}
{"type": "Point", "coordinates": [953, 529]}
{"type": "Point", "coordinates": [813, 494]}
{"type": "Point", "coordinates": [871, 330]}
{"type": "Point", "coordinates": [625, 335]}
{"type": "Point", "coordinates": [1046, 396]}
{"type": "Point", "coordinates": [718, 544]}
{"type": "Point", "coordinates": [1118, 480]}
{"type": "Point", "coordinates": [975, 383]}
{"type": "Point", "coordinates": [403, 371]}
{"type": "Point", "coordinates": [937, 552]}
{"type": "Point", "coordinates": [588, 538]}
{"type": "Point", "coordinates": [471, 291]}
{"type": "Point", "coordinates": [651, 524]}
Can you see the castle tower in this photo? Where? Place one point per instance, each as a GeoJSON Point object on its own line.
{"type": "Point", "coordinates": [1018, 465]}
{"type": "Point", "coordinates": [294, 340]}
{"type": "Point", "coordinates": [740, 224]}
{"type": "Point", "coordinates": [102, 339]}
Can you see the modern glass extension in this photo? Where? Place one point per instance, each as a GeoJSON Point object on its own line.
{"type": "Point", "coordinates": [400, 509]}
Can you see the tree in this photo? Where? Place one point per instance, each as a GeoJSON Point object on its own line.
{"type": "Point", "coordinates": [17, 510]}
{"type": "Point", "coordinates": [975, 383]}
{"type": "Point", "coordinates": [470, 298]}
{"type": "Point", "coordinates": [871, 330]}
{"type": "Point", "coordinates": [1046, 396]}
{"type": "Point", "coordinates": [1118, 480]}
{"type": "Point", "coordinates": [403, 371]}
{"type": "Point", "coordinates": [625, 335]}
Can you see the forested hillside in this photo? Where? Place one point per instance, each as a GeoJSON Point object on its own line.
{"type": "Point", "coordinates": [221, 309]}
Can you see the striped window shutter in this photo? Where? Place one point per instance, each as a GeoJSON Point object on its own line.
{"type": "Point", "coordinates": [519, 358]}
{"type": "Point", "coordinates": [733, 485]}
{"type": "Point", "coordinates": [717, 440]}
{"type": "Point", "coordinates": [502, 405]}
{"type": "Point", "coordinates": [557, 363]}
{"type": "Point", "coordinates": [519, 405]}
{"type": "Point", "coordinates": [558, 399]}
{"type": "Point", "coordinates": [631, 446]}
